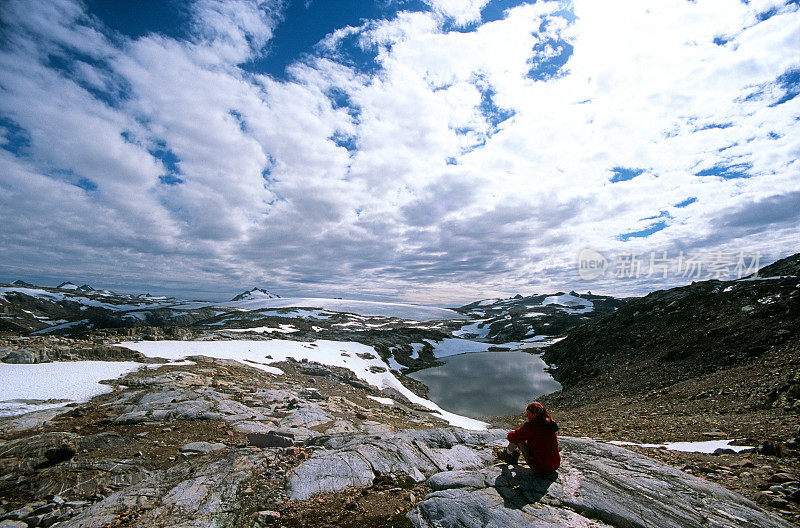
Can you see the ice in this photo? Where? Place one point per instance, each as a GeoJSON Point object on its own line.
{"type": "Point", "coordinates": [321, 351]}
{"type": "Point", "coordinates": [76, 381]}
{"type": "Point", "coordinates": [690, 447]}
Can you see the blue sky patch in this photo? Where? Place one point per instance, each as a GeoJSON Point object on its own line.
{"type": "Point", "coordinates": [305, 23]}
{"type": "Point", "coordinates": [15, 139]}
{"type": "Point", "coordinates": [170, 179]}
{"type": "Point", "coordinates": [168, 158]}
{"type": "Point", "coordinates": [716, 125]}
{"type": "Point", "coordinates": [721, 40]}
{"type": "Point", "coordinates": [344, 140]}
{"type": "Point", "coordinates": [727, 172]}
{"type": "Point", "coordinates": [137, 19]}
{"type": "Point", "coordinates": [644, 233]}
{"type": "Point", "coordinates": [550, 67]}
{"type": "Point", "coordinates": [493, 114]}
{"type": "Point", "coordinates": [624, 174]}
{"type": "Point", "coordinates": [686, 202]}
{"type": "Point", "coordinates": [790, 83]}
{"type": "Point", "coordinates": [86, 184]}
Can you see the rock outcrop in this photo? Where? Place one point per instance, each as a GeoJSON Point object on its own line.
{"type": "Point", "coordinates": [598, 485]}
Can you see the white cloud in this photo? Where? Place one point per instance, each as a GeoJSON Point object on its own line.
{"type": "Point", "coordinates": [462, 12]}
{"type": "Point", "coordinates": [416, 186]}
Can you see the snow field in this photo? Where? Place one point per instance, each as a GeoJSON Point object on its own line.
{"type": "Point", "coordinates": [334, 353]}
{"type": "Point", "coordinates": [77, 381]}
{"type": "Point", "coordinates": [689, 447]}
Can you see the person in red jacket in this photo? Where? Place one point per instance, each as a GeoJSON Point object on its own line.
{"type": "Point", "coordinates": [537, 441]}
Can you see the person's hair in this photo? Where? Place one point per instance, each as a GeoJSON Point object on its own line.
{"type": "Point", "coordinates": [538, 411]}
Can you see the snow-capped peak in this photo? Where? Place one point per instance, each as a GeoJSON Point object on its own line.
{"type": "Point", "coordinates": [254, 294]}
{"type": "Point", "coordinates": [67, 286]}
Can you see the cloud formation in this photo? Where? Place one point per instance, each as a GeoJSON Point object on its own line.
{"type": "Point", "coordinates": [428, 157]}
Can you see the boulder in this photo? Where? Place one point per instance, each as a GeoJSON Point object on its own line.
{"type": "Point", "coordinates": [270, 439]}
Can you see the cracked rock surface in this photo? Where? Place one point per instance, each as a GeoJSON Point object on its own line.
{"type": "Point", "coordinates": [598, 485]}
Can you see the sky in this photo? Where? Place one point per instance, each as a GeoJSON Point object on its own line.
{"type": "Point", "coordinates": [428, 151]}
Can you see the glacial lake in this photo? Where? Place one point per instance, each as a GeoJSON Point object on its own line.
{"type": "Point", "coordinates": [485, 384]}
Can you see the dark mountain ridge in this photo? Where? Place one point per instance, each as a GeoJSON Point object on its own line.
{"type": "Point", "coordinates": [684, 332]}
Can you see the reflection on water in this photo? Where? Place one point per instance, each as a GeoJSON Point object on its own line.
{"type": "Point", "coordinates": [484, 384]}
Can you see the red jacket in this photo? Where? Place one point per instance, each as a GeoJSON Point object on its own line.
{"type": "Point", "coordinates": [540, 438]}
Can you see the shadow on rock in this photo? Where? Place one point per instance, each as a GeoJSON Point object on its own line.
{"type": "Point", "coordinates": [521, 486]}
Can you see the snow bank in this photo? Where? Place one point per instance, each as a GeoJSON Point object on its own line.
{"type": "Point", "coordinates": [77, 381]}
{"type": "Point", "coordinates": [321, 351]}
{"type": "Point", "coordinates": [283, 329]}
{"type": "Point", "coordinates": [690, 447]}
{"type": "Point", "coordinates": [479, 328]}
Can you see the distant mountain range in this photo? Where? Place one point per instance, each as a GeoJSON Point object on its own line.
{"type": "Point", "coordinates": [71, 310]}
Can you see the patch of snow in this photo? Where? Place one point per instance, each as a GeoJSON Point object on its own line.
{"type": "Point", "coordinates": [326, 352]}
{"type": "Point", "coordinates": [385, 401]}
{"type": "Point", "coordinates": [16, 407]}
{"type": "Point", "coordinates": [185, 362]}
{"type": "Point", "coordinates": [283, 329]}
{"type": "Point", "coordinates": [479, 329]}
{"type": "Point", "coordinates": [576, 304]}
{"type": "Point", "coordinates": [77, 381]}
{"type": "Point", "coordinates": [416, 348]}
{"type": "Point", "coordinates": [394, 365]}
{"type": "Point", "coordinates": [59, 326]}
{"type": "Point", "coordinates": [689, 447]}
{"type": "Point", "coordinates": [33, 292]}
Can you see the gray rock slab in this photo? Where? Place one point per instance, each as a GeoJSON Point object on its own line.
{"type": "Point", "coordinates": [598, 485]}
{"type": "Point", "coordinates": [249, 426]}
{"type": "Point", "coordinates": [201, 447]}
{"type": "Point", "coordinates": [192, 410]}
{"type": "Point", "coordinates": [131, 418]}
{"type": "Point", "coordinates": [270, 439]}
{"type": "Point", "coordinates": [230, 407]}
{"type": "Point", "coordinates": [355, 460]}
{"type": "Point", "coordinates": [8, 523]}
{"type": "Point", "coordinates": [198, 493]}
{"type": "Point", "coordinates": [30, 421]}
{"type": "Point", "coordinates": [308, 416]}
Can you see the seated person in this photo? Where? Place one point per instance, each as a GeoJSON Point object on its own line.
{"type": "Point", "coordinates": [537, 441]}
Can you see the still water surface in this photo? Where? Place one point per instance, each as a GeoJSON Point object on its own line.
{"type": "Point", "coordinates": [484, 384]}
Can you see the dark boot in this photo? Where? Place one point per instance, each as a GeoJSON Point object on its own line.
{"type": "Point", "coordinates": [508, 458]}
